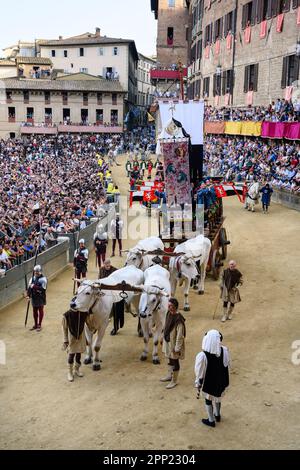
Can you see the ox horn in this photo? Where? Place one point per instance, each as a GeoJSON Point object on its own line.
{"type": "Point", "coordinates": [77, 280]}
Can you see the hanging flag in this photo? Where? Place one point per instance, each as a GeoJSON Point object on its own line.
{"type": "Point", "coordinates": [217, 100]}
{"type": "Point", "coordinates": [279, 23]}
{"type": "Point", "coordinates": [263, 29]}
{"type": "Point", "coordinates": [249, 98]}
{"type": "Point", "coordinates": [230, 189]}
{"type": "Point", "coordinates": [207, 52]}
{"type": "Point", "coordinates": [247, 34]}
{"type": "Point", "coordinates": [288, 93]}
{"type": "Point", "coordinates": [228, 41]}
{"type": "Point", "coordinates": [227, 99]}
{"type": "Point", "coordinates": [218, 47]}
{"type": "Point", "coordinates": [298, 16]}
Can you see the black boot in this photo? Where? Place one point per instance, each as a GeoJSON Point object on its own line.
{"type": "Point", "coordinates": [212, 424]}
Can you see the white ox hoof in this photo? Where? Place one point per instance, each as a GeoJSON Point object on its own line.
{"type": "Point", "coordinates": [200, 292]}
{"type": "Point", "coordinates": [88, 360]}
{"type": "Point", "coordinates": [143, 358]}
{"type": "Point", "coordinates": [96, 367]}
{"type": "Point", "coordinates": [156, 361]}
{"type": "Point", "coordinates": [186, 308]}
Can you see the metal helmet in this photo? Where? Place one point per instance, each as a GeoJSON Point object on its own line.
{"type": "Point", "coordinates": [37, 268]}
{"type": "Point", "coordinates": [81, 241]}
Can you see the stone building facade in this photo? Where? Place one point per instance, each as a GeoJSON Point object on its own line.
{"type": "Point", "coordinates": [243, 52]}
{"type": "Point", "coordinates": [172, 23]}
{"type": "Point", "coordinates": [75, 100]}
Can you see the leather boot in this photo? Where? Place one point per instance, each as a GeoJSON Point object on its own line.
{"type": "Point", "coordinates": [70, 373]}
{"type": "Point", "coordinates": [168, 377]}
{"type": "Point", "coordinates": [230, 311]}
{"type": "Point", "coordinates": [173, 382]}
{"type": "Point", "coordinates": [225, 314]}
{"type": "Point", "coordinates": [77, 370]}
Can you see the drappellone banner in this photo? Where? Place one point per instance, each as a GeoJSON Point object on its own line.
{"type": "Point", "coordinates": [176, 171]}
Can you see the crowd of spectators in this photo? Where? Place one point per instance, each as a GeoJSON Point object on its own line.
{"type": "Point", "coordinates": [240, 159]}
{"type": "Point", "coordinates": [278, 111]}
{"type": "Point", "coordinates": [54, 185]}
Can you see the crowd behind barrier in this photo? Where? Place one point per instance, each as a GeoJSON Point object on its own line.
{"type": "Point", "coordinates": [51, 186]}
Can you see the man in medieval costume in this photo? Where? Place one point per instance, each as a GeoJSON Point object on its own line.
{"type": "Point", "coordinates": [118, 308]}
{"type": "Point", "coordinates": [37, 293]}
{"type": "Point", "coordinates": [74, 340]}
{"type": "Point", "coordinates": [212, 375]}
{"type": "Point", "coordinates": [81, 257]}
{"type": "Point", "coordinates": [100, 244]}
{"type": "Point", "coordinates": [231, 279]}
{"type": "Point", "coordinates": [173, 342]}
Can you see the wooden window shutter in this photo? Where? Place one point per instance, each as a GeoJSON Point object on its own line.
{"type": "Point", "coordinates": [231, 81]}
{"type": "Point", "coordinates": [286, 5]}
{"type": "Point", "coordinates": [221, 28]}
{"type": "Point", "coordinates": [244, 16]}
{"type": "Point", "coordinates": [214, 84]}
{"type": "Point", "coordinates": [246, 78]}
{"type": "Point", "coordinates": [233, 20]}
{"type": "Point", "coordinates": [260, 10]}
{"type": "Point", "coordinates": [284, 72]}
{"type": "Point", "coordinates": [254, 12]}
{"type": "Point", "coordinates": [224, 79]}
{"type": "Point", "coordinates": [295, 3]}
{"type": "Point", "coordinates": [274, 7]}
{"type": "Point", "coordinates": [211, 33]}
{"type": "Point", "coordinates": [255, 84]}
{"type": "Point", "coordinates": [215, 30]}
{"type": "Point", "coordinates": [269, 9]}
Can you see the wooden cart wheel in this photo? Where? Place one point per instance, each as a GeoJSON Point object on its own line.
{"type": "Point", "coordinates": [223, 242]}
{"type": "Point", "coordinates": [216, 264]}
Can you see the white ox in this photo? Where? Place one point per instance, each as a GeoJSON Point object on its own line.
{"type": "Point", "coordinates": [137, 255]}
{"type": "Point", "coordinates": [183, 268]}
{"type": "Point", "coordinates": [253, 196]}
{"type": "Point", "coordinates": [90, 298]}
{"type": "Point", "coordinates": [153, 308]}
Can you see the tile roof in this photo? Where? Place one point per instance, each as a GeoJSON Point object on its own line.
{"type": "Point", "coordinates": [84, 40]}
{"type": "Point", "coordinates": [100, 85]}
{"type": "Point", "coordinates": [6, 62]}
{"type": "Point", "coordinates": [33, 60]}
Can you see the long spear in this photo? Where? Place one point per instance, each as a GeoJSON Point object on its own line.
{"type": "Point", "coordinates": [35, 260]}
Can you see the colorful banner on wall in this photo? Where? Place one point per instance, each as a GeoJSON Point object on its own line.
{"type": "Point", "coordinates": [263, 29]}
{"type": "Point", "coordinates": [176, 171]}
{"type": "Point", "coordinates": [281, 130]}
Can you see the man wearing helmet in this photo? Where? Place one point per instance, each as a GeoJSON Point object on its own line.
{"type": "Point", "coordinates": [81, 256]}
{"type": "Point", "coordinates": [37, 293]}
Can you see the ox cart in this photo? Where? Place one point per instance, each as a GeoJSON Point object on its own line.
{"type": "Point", "coordinates": [214, 230]}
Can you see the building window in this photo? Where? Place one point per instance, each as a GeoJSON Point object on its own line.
{"type": "Point", "coordinates": [114, 98]}
{"type": "Point", "coordinates": [66, 115]}
{"type": "Point", "coordinates": [65, 97]}
{"type": "Point", "coordinates": [115, 51]}
{"type": "Point", "coordinates": [227, 82]}
{"type": "Point", "coordinates": [247, 15]}
{"type": "Point", "coordinates": [84, 116]}
{"type": "Point", "coordinates": [30, 115]}
{"type": "Point", "coordinates": [208, 35]}
{"type": "Point", "coordinates": [206, 87]}
{"type": "Point", "coordinates": [26, 96]}
{"type": "Point", "coordinates": [114, 116]}
{"type": "Point", "coordinates": [101, 51]}
{"type": "Point", "coordinates": [217, 84]}
{"type": "Point", "coordinates": [171, 3]}
{"type": "Point", "coordinates": [8, 97]}
{"type": "Point", "coordinates": [81, 52]}
{"type": "Point", "coordinates": [99, 98]}
{"type": "Point", "coordinates": [48, 115]}
{"type": "Point", "coordinates": [85, 99]}
{"type": "Point", "coordinates": [47, 97]}
{"type": "Point", "coordinates": [218, 32]}
{"type": "Point", "coordinates": [99, 116]}
{"type": "Point", "coordinates": [251, 78]}
{"type": "Point", "coordinates": [53, 53]}
{"type": "Point", "coordinates": [65, 53]}
{"type": "Point", "coordinates": [170, 36]}
{"type": "Point", "coordinates": [83, 70]}
{"type": "Point", "coordinates": [11, 114]}
{"type": "Point", "coordinates": [229, 25]}
{"type": "Point", "coordinates": [290, 70]}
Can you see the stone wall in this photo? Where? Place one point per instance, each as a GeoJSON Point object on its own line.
{"type": "Point", "coordinates": [286, 198]}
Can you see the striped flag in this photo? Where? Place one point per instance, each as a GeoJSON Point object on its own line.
{"type": "Point", "coordinates": [231, 189]}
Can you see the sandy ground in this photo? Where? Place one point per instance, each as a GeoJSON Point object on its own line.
{"type": "Point", "coordinates": [124, 406]}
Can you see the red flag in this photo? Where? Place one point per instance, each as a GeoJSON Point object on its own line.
{"type": "Point", "coordinates": [248, 34]}
{"type": "Point", "coordinates": [298, 16]}
{"type": "Point", "coordinates": [263, 29]}
{"type": "Point", "coordinates": [279, 23]}
{"type": "Point", "coordinates": [207, 52]}
{"type": "Point", "coordinates": [218, 46]}
{"type": "Point", "coordinates": [149, 196]}
{"type": "Point", "coordinates": [228, 41]}
{"type": "Point", "coordinates": [220, 191]}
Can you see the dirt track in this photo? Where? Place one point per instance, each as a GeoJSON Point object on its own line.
{"type": "Point", "coordinates": [124, 406]}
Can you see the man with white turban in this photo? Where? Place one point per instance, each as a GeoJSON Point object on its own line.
{"type": "Point", "coordinates": [212, 375]}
